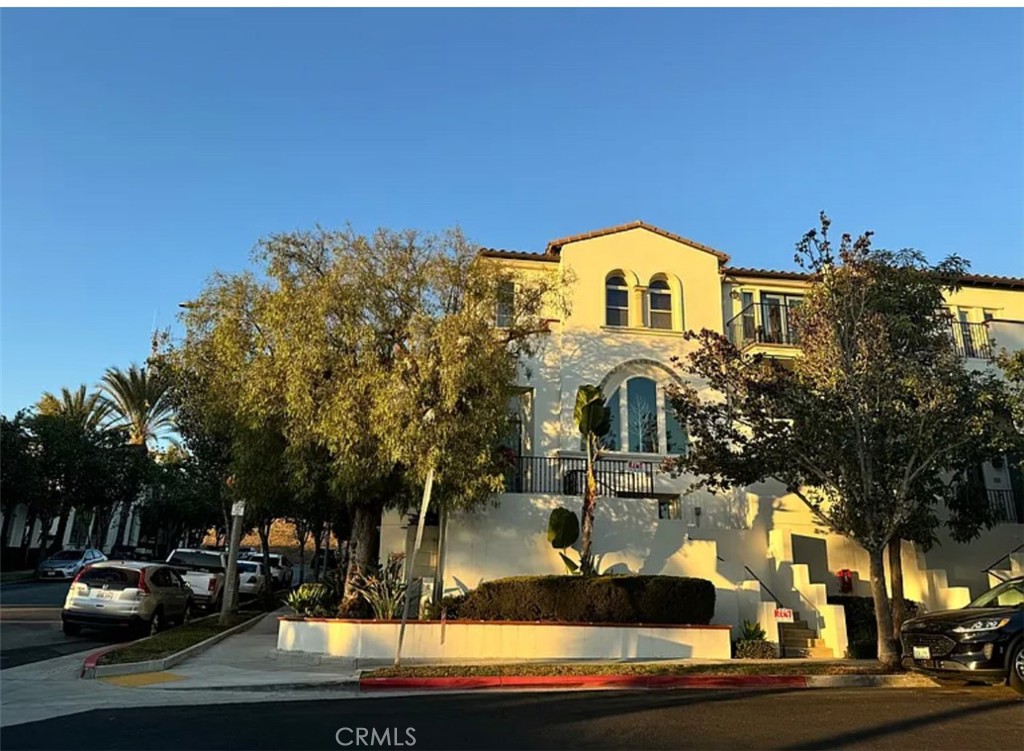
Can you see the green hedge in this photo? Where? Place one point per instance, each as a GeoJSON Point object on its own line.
{"type": "Point", "coordinates": [588, 599]}
{"type": "Point", "coordinates": [861, 630]}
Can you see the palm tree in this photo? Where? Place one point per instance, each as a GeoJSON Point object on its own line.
{"type": "Point", "coordinates": [90, 411]}
{"type": "Point", "coordinates": [82, 412]}
{"type": "Point", "coordinates": [140, 402]}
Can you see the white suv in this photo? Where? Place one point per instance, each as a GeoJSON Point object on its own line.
{"type": "Point", "coordinates": [143, 596]}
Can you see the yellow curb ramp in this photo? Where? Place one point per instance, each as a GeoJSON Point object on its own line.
{"type": "Point", "coordinates": [142, 679]}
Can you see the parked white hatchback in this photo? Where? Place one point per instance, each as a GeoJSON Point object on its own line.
{"type": "Point", "coordinates": [134, 594]}
{"type": "Point", "coordinates": [251, 581]}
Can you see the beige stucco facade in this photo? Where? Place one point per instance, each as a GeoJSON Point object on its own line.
{"type": "Point", "coordinates": [746, 542]}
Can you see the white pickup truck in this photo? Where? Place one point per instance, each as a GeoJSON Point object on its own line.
{"type": "Point", "coordinates": [203, 571]}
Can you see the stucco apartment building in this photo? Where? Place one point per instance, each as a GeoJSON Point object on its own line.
{"type": "Point", "coordinates": [635, 289]}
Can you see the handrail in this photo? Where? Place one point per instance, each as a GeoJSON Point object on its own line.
{"type": "Point", "coordinates": [988, 569]}
{"type": "Point", "coordinates": [764, 586]}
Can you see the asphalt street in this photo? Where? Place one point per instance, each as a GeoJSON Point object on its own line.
{"type": "Point", "coordinates": [30, 628]}
{"type": "Point", "coordinates": [897, 719]}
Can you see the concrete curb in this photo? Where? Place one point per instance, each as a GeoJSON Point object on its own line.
{"type": "Point", "coordinates": [645, 682]}
{"type": "Point", "coordinates": [92, 670]}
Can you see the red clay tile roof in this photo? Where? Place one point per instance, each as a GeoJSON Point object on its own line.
{"type": "Point", "coordinates": [516, 254]}
{"type": "Point", "coordinates": [968, 280]}
{"type": "Point", "coordinates": [556, 245]}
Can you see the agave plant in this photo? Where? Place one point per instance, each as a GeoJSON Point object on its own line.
{"type": "Point", "coordinates": [383, 587]}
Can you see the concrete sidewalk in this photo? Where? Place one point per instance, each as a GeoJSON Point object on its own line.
{"type": "Point", "coordinates": [247, 661]}
{"type": "Point", "coordinates": [240, 669]}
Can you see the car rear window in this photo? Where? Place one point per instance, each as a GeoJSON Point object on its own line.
{"type": "Point", "coordinates": [111, 578]}
{"type": "Point", "coordinates": [196, 561]}
{"type": "Point", "coordinates": [249, 568]}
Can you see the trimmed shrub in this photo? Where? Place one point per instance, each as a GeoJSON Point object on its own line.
{"type": "Point", "coordinates": [861, 630]}
{"type": "Point", "coordinates": [754, 649]}
{"type": "Point", "coordinates": [588, 599]}
{"type": "Point", "coordinates": [312, 600]}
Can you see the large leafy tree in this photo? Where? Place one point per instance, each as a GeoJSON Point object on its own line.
{"type": "Point", "coordinates": [377, 352]}
{"type": "Point", "coordinates": [20, 471]}
{"type": "Point", "coordinates": [874, 422]}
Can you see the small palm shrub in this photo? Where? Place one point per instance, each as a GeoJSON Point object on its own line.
{"type": "Point", "coordinates": [383, 588]}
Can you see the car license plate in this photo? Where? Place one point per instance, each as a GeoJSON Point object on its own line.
{"type": "Point", "coordinates": [51, 573]}
{"type": "Point", "coordinates": [922, 653]}
{"type": "Point", "coordinates": [104, 595]}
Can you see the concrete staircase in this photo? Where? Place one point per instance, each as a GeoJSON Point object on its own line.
{"type": "Point", "coordinates": [798, 639]}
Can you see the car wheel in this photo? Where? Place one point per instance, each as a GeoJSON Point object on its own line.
{"type": "Point", "coordinates": [71, 629]}
{"type": "Point", "coordinates": [1016, 674]}
{"type": "Point", "coordinates": [156, 623]}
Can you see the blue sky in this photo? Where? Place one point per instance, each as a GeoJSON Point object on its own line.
{"type": "Point", "coordinates": [143, 149]}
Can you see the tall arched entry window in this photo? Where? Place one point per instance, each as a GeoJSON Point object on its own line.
{"type": "Point", "coordinates": [616, 300]}
{"type": "Point", "coordinates": [642, 420]}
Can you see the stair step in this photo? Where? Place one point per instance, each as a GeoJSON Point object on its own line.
{"type": "Point", "coordinates": [807, 652]}
{"type": "Point", "coordinates": [801, 633]}
{"type": "Point", "coordinates": [802, 643]}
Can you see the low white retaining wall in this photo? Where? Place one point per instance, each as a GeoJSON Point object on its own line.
{"type": "Point", "coordinates": [500, 640]}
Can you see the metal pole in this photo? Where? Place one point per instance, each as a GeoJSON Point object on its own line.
{"type": "Point", "coordinates": [410, 563]}
{"type": "Point", "coordinates": [229, 602]}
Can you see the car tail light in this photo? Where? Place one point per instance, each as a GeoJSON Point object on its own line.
{"type": "Point", "coordinates": [211, 585]}
{"type": "Point", "coordinates": [143, 587]}
{"type": "Point", "coordinates": [79, 574]}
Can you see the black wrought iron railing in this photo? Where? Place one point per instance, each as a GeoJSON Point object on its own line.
{"type": "Point", "coordinates": [1007, 504]}
{"type": "Point", "coordinates": [972, 339]}
{"type": "Point", "coordinates": [764, 323]}
{"type": "Point", "coordinates": [566, 475]}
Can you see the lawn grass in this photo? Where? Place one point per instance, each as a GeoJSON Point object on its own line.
{"type": "Point", "coordinates": [626, 668]}
{"type": "Point", "coordinates": [173, 640]}
{"type": "Point", "coordinates": [15, 576]}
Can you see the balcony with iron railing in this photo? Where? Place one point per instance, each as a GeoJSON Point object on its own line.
{"type": "Point", "coordinates": [564, 475]}
{"type": "Point", "coordinates": [764, 323]}
{"type": "Point", "coordinates": [772, 324]}
{"type": "Point", "coordinates": [1007, 505]}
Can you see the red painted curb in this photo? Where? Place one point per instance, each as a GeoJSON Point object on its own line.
{"type": "Point", "coordinates": [89, 663]}
{"type": "Point", "coordinates": [588, 681]}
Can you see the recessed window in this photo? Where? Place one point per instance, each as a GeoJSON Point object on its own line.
{"type": "Point", "coordinates": [659, 305]}
{"type": "Point", "coordinates": [616, 300]}
{"type": "Point", "coordinates": [506, 304]}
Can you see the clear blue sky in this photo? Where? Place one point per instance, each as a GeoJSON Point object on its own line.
{"type": "Point", "coordinates": [143, 149]}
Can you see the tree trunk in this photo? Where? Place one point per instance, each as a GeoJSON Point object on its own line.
{"type": "Point", "coordinates": [899, 605]}
{"type": "Point", "coordinates": [5, 530]}
{"type": "Point", "coordinates": [301, 535]}
{"type": "Point", "coordinates": [62, 528]}
{"type": "Point", "coordinates": [365, 550]}
{"type": "Point", "coordinates": [263, 530]}
{"type": "Point", "coordinates": [317, 554]}
{"type": "Point", "coordinates": [26, 537]}
{"type": "Point", "coordinates": [122, 523]}
{"type": "Point", "coordinates": [587, 514]}
{"type": "Point", "coordinates": [887, 654]}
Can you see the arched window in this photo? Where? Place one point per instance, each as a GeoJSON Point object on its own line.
{"type": "Point", "coordinates": [616, 300]}
{"type": "Point", "coordinates": [642, 418]}
{"type": "Point", "coordinates": [659, 304]}
{"type": "Point", "coordinates": [642, 415]}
